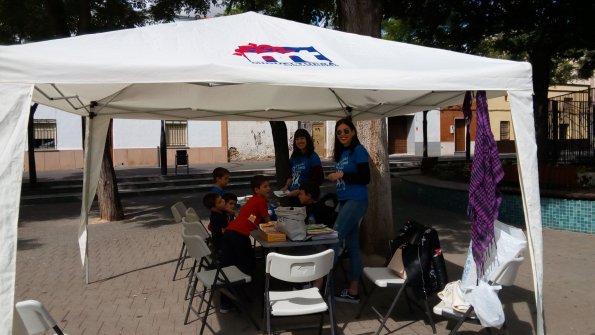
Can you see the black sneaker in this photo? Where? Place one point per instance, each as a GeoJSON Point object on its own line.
{"type": "Point", "coordinates": [344, 296]}
{"type": "Point", "coordinates": [227, 308]}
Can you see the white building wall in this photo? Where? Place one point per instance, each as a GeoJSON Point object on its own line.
{"type": "Point", "coordinates": [434, 147]}
{"type": "Point", "coordinates": [130, 134]}
{"type": "Point", "coordinates": [204, 134]}
{"type": "Point", "coordinates": [68, 127]}
{"type": "Point", "coordinates": [254, 139]}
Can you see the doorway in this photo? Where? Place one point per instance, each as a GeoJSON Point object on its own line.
{"type": "Point", "coordinates": [318, 137]}
{"type": "Point", "coordinates": [459, 135]}
{"type": "Point", "coordinates": [397, 135]}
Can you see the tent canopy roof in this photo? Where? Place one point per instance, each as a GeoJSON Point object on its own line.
{"type": "Point", "coordinates": [260, 68]}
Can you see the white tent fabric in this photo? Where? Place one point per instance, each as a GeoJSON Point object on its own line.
{"type": "Point", "coordinates": [248, 67]}
{"type": "Point", "coordinates": [14, 115]}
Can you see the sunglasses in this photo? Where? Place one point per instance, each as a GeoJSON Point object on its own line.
{"type": "Point", "coordinates": [345, 131]}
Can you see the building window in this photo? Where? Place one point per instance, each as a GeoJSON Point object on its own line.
{"type": "Point", "coordinates": [504, 130]}
{"type": "Point", "coordinates": [45, 134]}
{"type": "Point", "coordinates": [177, 133]}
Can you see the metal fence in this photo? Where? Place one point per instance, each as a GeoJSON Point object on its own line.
{"type": "Point", "coordinates": [570, 128]}
{"type": "Point", "coordinates": [45, 134]}
{"type": "Point", "coordinates": [176, 133]}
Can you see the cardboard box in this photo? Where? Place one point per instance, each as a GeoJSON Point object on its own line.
{"type": "Point", "coordinates": [270, 233]}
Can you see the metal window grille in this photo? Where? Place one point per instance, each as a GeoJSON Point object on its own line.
{"type": "Point", "coordinates": [45, 134]}
{"type": "Point", "coordinates": [176, 133]}
{"type": "Point", "coordinates": [504, 130]}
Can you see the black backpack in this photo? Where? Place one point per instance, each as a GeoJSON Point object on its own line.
{"type": "Point", "coordinates": [422, 258]}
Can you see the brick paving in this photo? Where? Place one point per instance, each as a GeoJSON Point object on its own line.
{"type": "Point", "coordinates": [132, 292]}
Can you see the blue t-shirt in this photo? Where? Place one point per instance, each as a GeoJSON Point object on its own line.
{"type": "Point", "coordinates": [301, 169]}
{"type": "Point", "coordinates": [218, 190]}
{"type": "Point", "coordinates": [348, 164]}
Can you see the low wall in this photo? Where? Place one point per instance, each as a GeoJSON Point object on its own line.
{"type": "Point", "coordinates": [557, 213]}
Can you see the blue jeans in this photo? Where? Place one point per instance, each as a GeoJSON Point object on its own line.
{"type": "Point", "coordinates": [347, 225]}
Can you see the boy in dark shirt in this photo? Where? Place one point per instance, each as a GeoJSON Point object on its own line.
{"type": "Point", "coordinates": [218, 220]}
{"type": "Point", "coordinates": [231, 202]}
{"type": "Point", "coordinates": [316, 211]}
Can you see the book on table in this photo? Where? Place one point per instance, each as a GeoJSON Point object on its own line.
{"type": "Point", "coordinates": [320, 231]}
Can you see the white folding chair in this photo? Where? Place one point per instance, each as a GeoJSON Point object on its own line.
{"type": "Point", "coordinates": [299, 269]}
{"type": "Point", "coordinates": [212, 280]}
{"type": "Point", "coordinates": [178, 211]}
{"type": "Point", "coordinates": [503, 275]}
{"type": "Point", "coordinates": [36, 318]}
{"type": "Point", "coordinates": [385, 277]}
{"type": "Point", "coordinates": [192, 217]}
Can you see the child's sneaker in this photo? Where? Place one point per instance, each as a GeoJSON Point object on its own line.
{"type": "Point", "coordinates": [225, 308]}
{"type": "Point", "coordinates": [344, 296]}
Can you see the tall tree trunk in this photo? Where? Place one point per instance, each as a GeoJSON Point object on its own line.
{"type": "Point", "coordinates": [541, 62]}
{"type": "Point", "coordinates": [279, 130]}
{"type": "Point", "coordinates": [364, 17]}
{"type": "Point", "coordinates": [31, 145]}
{"type": "Point", "coordinates": [110, 206]}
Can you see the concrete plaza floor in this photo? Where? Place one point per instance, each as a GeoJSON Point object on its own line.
{"type": "Point", "coordinates": [131, 268]}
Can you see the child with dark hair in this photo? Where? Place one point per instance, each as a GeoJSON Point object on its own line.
{"type": "Point", "coordinates": [237, 249]}
{"type": "Point", "coordinates": [218, 220]}
{"type": "Point", "coordinates": [231, 201]}
{"type": "Point", "coordinates": [220, 179]}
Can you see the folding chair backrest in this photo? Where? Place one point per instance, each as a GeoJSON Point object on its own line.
{"type": "Point", "coordinates": [191, 215]}
{"type": "Point", "coordinates": [35, 317]}
{"type": "Point", "coordinates": [197, 248]}
{"type": "Point", "coordinates": [195, 228]}
{"type": "Point", "coordinates": [178, 210]}
{"type": "Point", "coordinates": [299, 269]}
{"type": "Point", "coordinates": [506, 273]}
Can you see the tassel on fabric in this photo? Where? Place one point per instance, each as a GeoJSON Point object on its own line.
{"type": "Point", "coordinates": [484, 196]}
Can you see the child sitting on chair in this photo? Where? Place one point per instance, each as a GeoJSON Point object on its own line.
{"type": "Point", "coordinates": [237, 249]}
{"type": "Point", "coordinates": [218, 220]}
{"type": "Point", "coordinates": [231, 202]}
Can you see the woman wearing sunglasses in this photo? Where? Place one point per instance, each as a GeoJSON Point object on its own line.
{"type": "Point", "coordinates": [352, 177]}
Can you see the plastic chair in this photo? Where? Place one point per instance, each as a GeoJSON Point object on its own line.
{"type": "Point", "coordinates": [178, 211]}
{"type": "Point", "coordinates": [299, 269]}
{"type": "Point", "coordinates": [36, 318]}
{"type": "Point", "coordinates": [182, 160]}
{"type": "Point", "coordinates": [504, 275]}
{"type": "Point", "coordinates": [385, 277]}
{"type": "Point", "coordinates": [217, 279]}
{"type": "Point", "coordinates": [192, 217]}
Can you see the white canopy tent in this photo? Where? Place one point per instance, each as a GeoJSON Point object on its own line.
{"type": "Point", "coordinates": [242, 67]}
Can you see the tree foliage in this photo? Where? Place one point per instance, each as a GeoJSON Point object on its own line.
{"type": "Point", "coordinates": [556, 36]}
{"type": "Point", "coordinates": [36, 20]}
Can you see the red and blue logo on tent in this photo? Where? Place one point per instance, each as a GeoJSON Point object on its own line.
{"type": "Point", "coordinates": [289, 56]}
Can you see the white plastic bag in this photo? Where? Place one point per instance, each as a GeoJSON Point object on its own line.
{"type": "Point", "coordinates": [487, 305]}
{"type": "Point", "coordinates": [291, 221]}
{"type": "Point", "coordinates": [510, 241]}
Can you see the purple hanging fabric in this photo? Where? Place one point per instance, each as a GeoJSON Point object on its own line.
{"type": "Point", "coordinates": [484, 196]}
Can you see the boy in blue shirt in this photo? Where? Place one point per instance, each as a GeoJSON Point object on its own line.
{"type": "Point", "coordinates": [221, 179]}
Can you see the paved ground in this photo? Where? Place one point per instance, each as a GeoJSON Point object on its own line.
{"type": "Point", "coordinates": [132, 291]}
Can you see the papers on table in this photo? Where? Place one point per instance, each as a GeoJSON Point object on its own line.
{"type": "Point", "coordinates": [320, 231]}
{"type": "Point", "coordinates": [280, 194]}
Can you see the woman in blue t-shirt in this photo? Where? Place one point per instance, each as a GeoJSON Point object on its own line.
{"type": "Point", "coordinates": [352, 177]}
{"type": "Point", "coordinates": [305, 166]}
